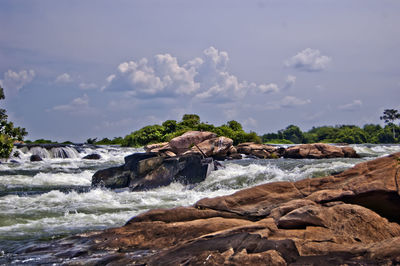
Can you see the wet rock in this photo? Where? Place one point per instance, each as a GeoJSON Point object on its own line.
{"type": "Point", "coordinates": [261, 151]}
{"type": "Point", "coordinates": [35, 158]}
{"type": "Point", "coordinates": [143, 171]}
{"type": "Point", "coordinates": [319, 151]}
{"type": "Point", "coordinates": [214, 147]}
{"type": "Point", "coordinates": [93, 156]}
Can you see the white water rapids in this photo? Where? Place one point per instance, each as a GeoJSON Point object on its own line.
{"type": "Point", "coordinates": [52, 198]}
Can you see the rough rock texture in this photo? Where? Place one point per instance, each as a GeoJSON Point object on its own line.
{"type": "Point", "coordinates": [260, 150]}
{"type": "Point", "coordinates": [214, 147]}
{"type": "Point", "coordinates": [348, 219]}
{"type": "Point", "coordinates": [143, 171]}
{"type": "Point", "coordinates": [184, 142]}
{"type": "Point", "coordinates": [319, 151]}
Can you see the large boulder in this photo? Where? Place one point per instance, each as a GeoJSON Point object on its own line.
{"type": "Point", "coordinates": [319, 151]}
{"type": "Point", "coordinates": [186, 141]}
{"type": "Point", "coordinates": [214, 147]}
{"type": "Point", "coordinates": [143, 171]}
{"type": "Point", "coordinates": [352, 218]}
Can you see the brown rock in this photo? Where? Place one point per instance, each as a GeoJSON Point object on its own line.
{"type": "Point", "coordinates": [218, 147]}
{"type": "Point", "coordinates": [156, 146]}
{"type": "Point", "coordinates": [262, 151]}
{"type": "Point", "coordinates": [319, 151]}
{"type": "Point", "coordinates": [184, 142]}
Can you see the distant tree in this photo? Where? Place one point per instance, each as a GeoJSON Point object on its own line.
{"type": "Point", "coordinates": [91, 141]}
{"type": "Point", "coordinates": [293, 133]}
{"type": "Point", "coordinates": [389, 116]}
{"type": "Point", "coordinates": [8, 133]}
{"type": "Point", "coordinates": [234, 125]}
{"type": "Point", "coordinates": [190, 121]}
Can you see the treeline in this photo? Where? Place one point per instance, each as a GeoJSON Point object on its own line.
{"type": "Point", "coordinates": [171, 129]}
{"type": "Point", "coordinates": [350, 134]}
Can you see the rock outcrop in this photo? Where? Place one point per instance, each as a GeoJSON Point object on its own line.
{"type": "Point", "coordinates": [351, 218]}
{"type": "Point", "coordinates": [221, 148]}
{"type": "Point", "coordinates": [92, 156]}
{"type": "Point", "coordinates": [319, 151]}
{"type": "Point", "coordinates": [143, 171]}
{"type": "Point", "coordinates": [262, 151]}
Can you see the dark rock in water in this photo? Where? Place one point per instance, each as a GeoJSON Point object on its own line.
{"type": "Point", "coordinates": [93, 156]}
{"type": "Point", "coordinates": [114, 177]}
{"type": "Point", "coordinates": [35, 158]}
{"type": "Point", "coordinates": [143, 171]}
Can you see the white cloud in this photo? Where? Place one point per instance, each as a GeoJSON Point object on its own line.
{"type": "Point", "coordinates": [289, 83]}
{"type": "Point", "coordinates": [354, 105]}
{"type": "Point", "coordinates": [14, 81]}
{"type": "Point", "coordinates": [291, 101]}
{"type": "Point", "coordinates": [309, 60]}
{"type": "Point", "coordinates": [87, 86]}
{"type": "Point", "coordinates": [204, 77]}
{"type": "Point", "coordinates": [64, 78]}
{"type": "Point", "coordinates": [78, 105]}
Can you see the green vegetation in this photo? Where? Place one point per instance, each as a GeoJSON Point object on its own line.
{"type": "Point", "coordinates": [8, 133]}
{"type": "Point", "coordinates": [171, 128]}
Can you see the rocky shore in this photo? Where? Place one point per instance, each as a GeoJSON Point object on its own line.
{"type": "Point", "coordinates": [352, 218]}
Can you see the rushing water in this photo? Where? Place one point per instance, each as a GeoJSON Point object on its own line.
{"type": "Point", "coordinates": [50, 199]}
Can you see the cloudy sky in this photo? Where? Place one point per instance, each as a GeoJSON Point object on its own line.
{"type": "Point", "coordinates": [78, 69]}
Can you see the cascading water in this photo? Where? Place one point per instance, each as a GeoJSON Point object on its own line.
{"type": "Point", "coordinates": [45, 200]}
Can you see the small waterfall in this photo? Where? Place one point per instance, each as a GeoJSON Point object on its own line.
{"type": "Point", "coordinates": [64, 152]}
{"type": "Point", "coordinates": [42, 152]}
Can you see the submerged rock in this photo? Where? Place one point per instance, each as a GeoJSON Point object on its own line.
{"type": "Point", "coordinates": [143, 171]}
{"type": "Point", "coordinates": [93, 156]}
{"type": "Point", "coordinates": [35, 158]}
{"type": "Point", "coordinates": [351, 218]}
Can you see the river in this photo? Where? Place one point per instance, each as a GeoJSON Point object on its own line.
{"type": "Point", "coordinates": [51, 199]}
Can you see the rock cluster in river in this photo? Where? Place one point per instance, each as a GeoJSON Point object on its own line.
{"type": "Point", "coordinates": [347, 219]}
{"type": "Point", "coordinates": [220, 148]}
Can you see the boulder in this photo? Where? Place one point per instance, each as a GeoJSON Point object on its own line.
{"type": "Point", "coordinates": [215, 147]}
{"type": "Point", "coordinates": [157, 147]}
{"type": "Point", "coordinates": [262, 151]}
{"type": "Point", "coordinates": [143, 171]}
{"type": "Point", "coordinates": [35, 158]}
{"type": "Point", "coordinates": [319, 151]}
{"type": "Point", "coordinates": [352, 218]}
{"type": "Point", "coordinates": [183, 143]}
{"type": "Point", "coordinates": [93, 156]}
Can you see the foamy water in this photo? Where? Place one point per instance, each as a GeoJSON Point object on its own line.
{"type": "Point", "coordinates": [44, 200]}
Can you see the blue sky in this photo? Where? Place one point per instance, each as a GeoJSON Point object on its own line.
{"type": "Point", "coordinates": [78, 69]}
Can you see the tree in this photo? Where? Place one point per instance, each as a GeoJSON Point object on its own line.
{"type": "Point", "coordinates": [8, 133]}
{"type": "Point", "coordinates": [389, 116]}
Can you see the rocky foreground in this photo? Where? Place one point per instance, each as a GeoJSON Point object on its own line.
{"type": "Point", "coordinates": [352, 218]}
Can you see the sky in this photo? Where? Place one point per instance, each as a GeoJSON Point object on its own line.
{"type": "Point", "coordinates": [74, 70]}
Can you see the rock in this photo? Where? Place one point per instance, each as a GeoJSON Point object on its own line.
{"type": "Point", "coordinates": [151, 147]}
{"type": "Point", "coordinates": [93, 156]}
{"type": "Point", "coordinates": [114, 177]}
{"type": "Point", "coordinates": [215, 147]}
{"type": "Point", "coordinates": [143, 171]}
{"type": "Point", "coordinates": [35, 158]}
{"type": "Point", "coordinates": [262, 151]}
{"type": "Point", "coordinates": [319, 151]}
{"type": "Point", "coordinates": [184, 142]}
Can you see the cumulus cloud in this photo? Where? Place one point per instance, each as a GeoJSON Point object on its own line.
{"type": "Point", "coordinates": [78, 105]}
{"type": "Point", "coordinates": [87, 86]}
{"type": "Point", "coordinates": [64, 78]}
{"type": "Point", "coordinates": [354, 105]}
{"type": "Point", "coordinates": [309, 60]}
{"type": "Point", "coordinates": [289, 83]}
{"type": "Point", "coordinates": [204, 77]}
{"type": "Point", "coordinates": [14, 81]}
